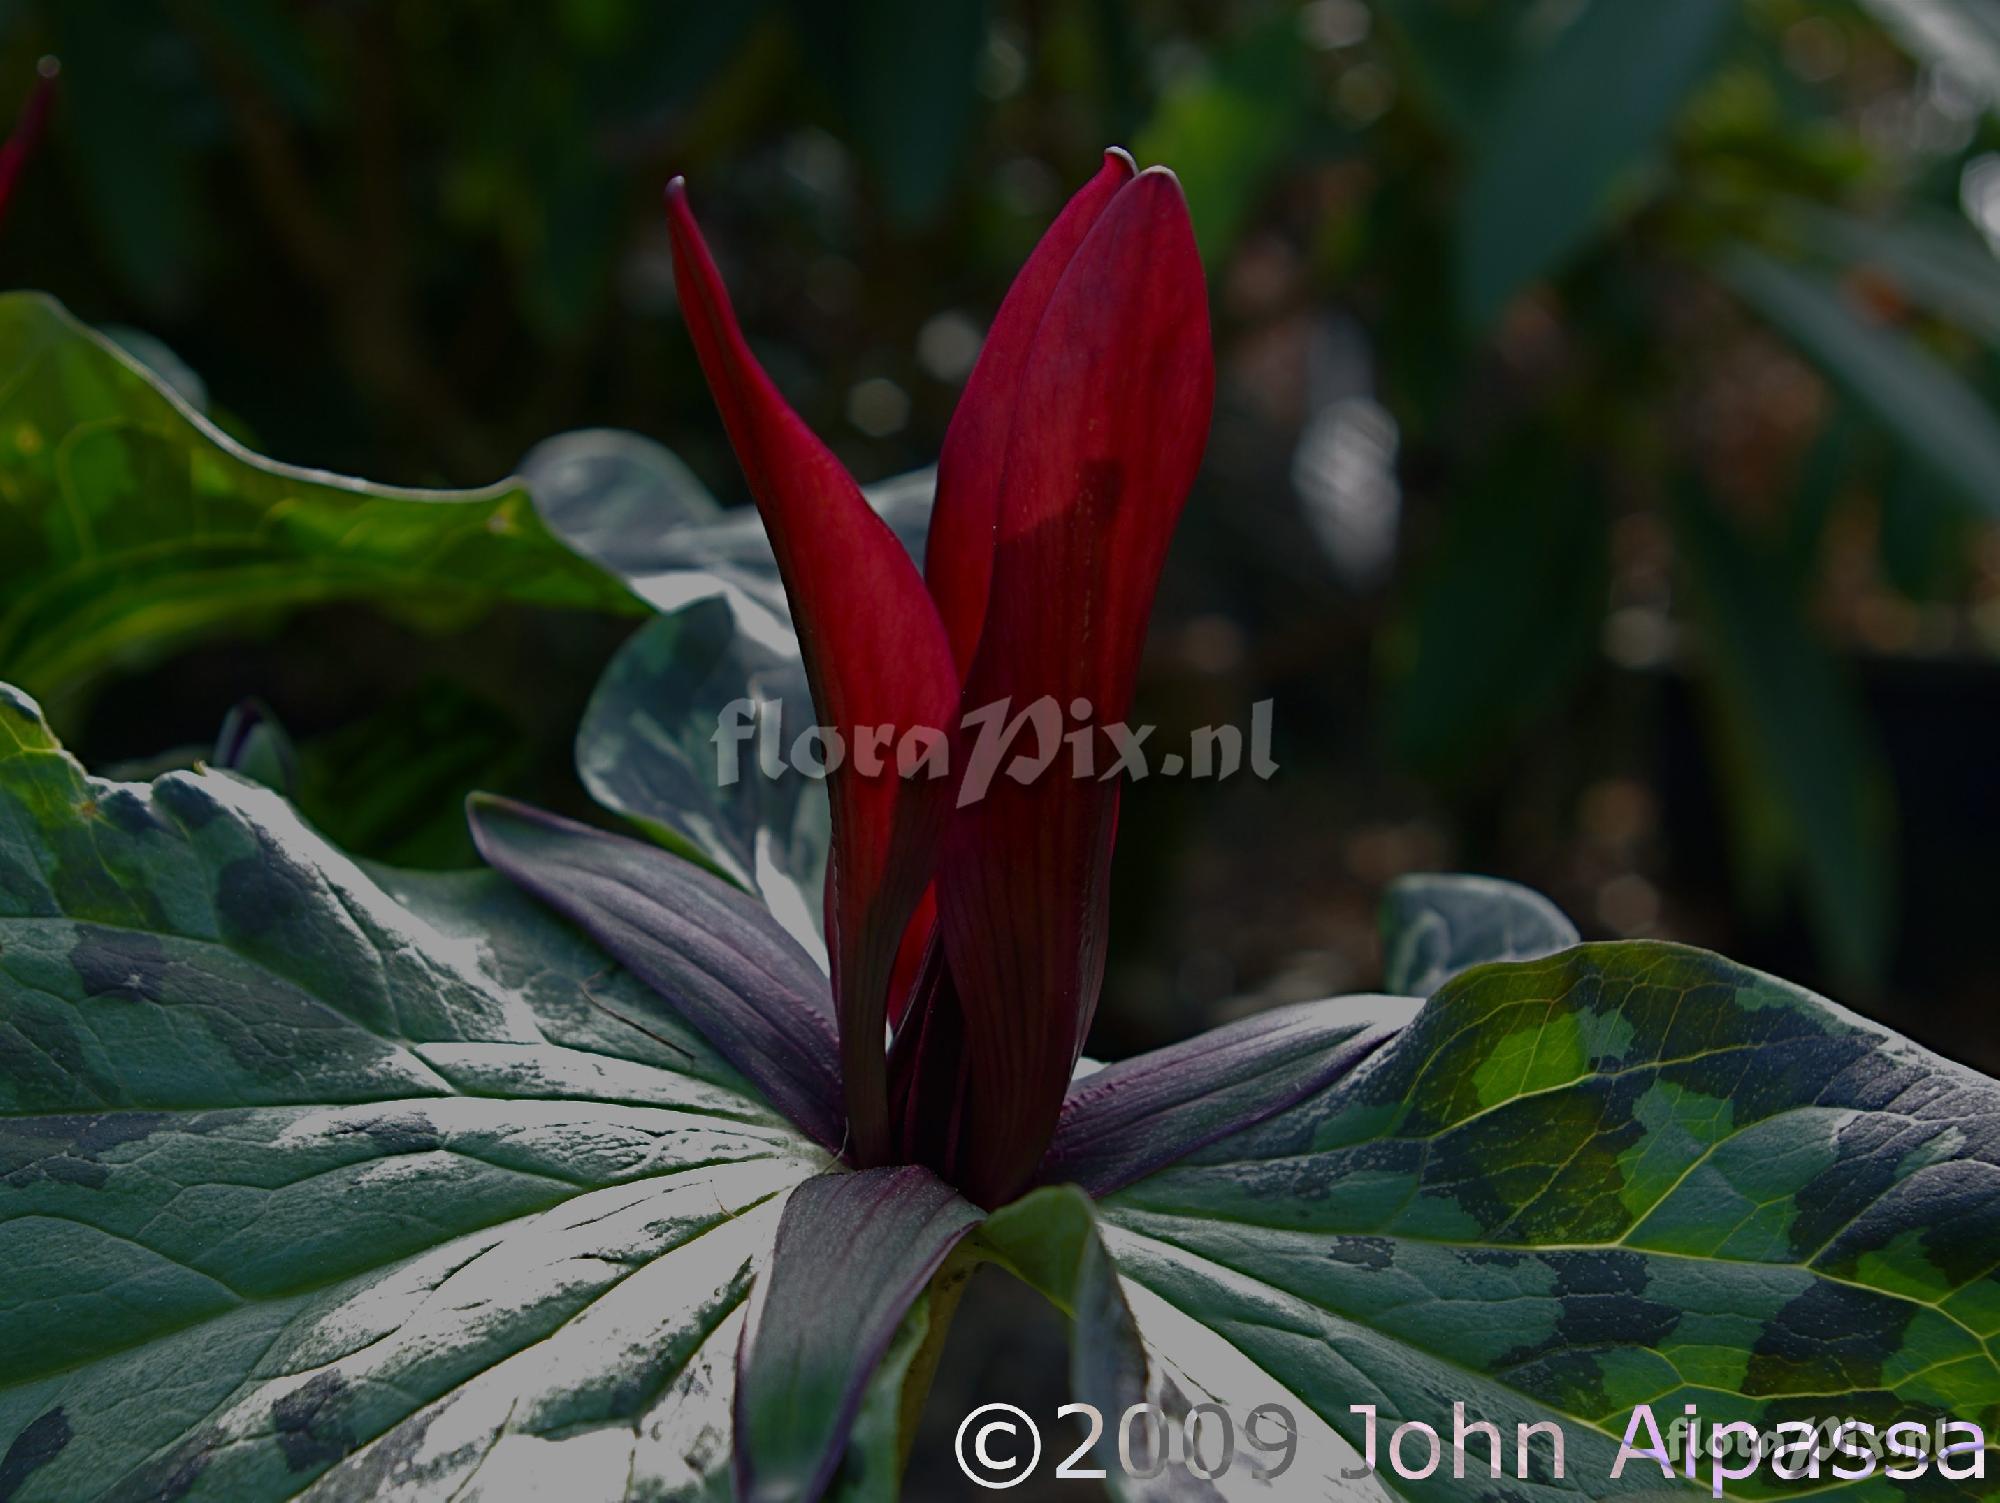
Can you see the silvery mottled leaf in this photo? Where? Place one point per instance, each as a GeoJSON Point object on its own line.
{"type": "Point", "coordinates": [1434, 926]}
{"type": "Point", "coordinates": [324, 1181]}
{"type": "Point", "coordinates": [612, 495]}
{"type": "Point", "coordinates": [1624, 1174]}
{"type": "Point", "coordinates": [647, 749]}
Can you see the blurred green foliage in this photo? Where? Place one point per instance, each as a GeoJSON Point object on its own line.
{"type": "Point", "coordinates": [1596, 340]}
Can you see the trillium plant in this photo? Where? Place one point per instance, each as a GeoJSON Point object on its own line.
{"type": "Point", "coordinates": [652, 1165]}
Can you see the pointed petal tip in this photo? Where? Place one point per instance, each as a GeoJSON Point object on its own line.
{"type": "Point", "coordinates": [677, 188]}
{"type": "Point", "coordinates": [49, 68]}
{"type": "Point", "coordinates": [479, 805]}
{"type": "Point", "coordinates": [1118, 154]}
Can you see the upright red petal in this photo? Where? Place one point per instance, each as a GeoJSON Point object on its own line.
{"type": "Point", "coordinates": [958, 553]}
{"type": "Point", "coordinates": [958, 556]}
{"type": "Point", "coordinates": [28, 131]}
{"type": "Point", "coordinates": [1110, 420]}
{"type": "Point", "coordinates": [910, 956]}
{"type": "Point", "coordinates": [875, 654]}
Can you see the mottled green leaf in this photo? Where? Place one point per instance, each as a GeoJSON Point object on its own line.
{"type": "Point", "coordinates": [129, 525]}
{"type": "Point", "coordinates": [1433, 927]}
{"type": "Point", "coordinates": [370, 1184]}
{"type": "Point", "coordinates": [1579, 123]}
{"type": "Point", "coordinates": [158, 357]}
{"type": "Point", "coordinates": [1626, 1174]}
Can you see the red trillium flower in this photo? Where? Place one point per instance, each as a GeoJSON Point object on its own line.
{"type": "Point", "coordinates": [1064, 470]}
{"type": "Point", "coordinates": [974, 926]}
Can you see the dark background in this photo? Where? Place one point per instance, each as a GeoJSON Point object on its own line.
{"type": "Point", "coordinates": [1564, 555]}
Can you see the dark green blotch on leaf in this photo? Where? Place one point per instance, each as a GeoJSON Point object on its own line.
{"type": "Point", "coordinates": [406, 1132]}
{"type": "Point", "coordinates": [36, 1446]}
{"type": "Point", "coordinates": [120, 964]}
{"type": "Point", "coordinates": [1834, 1338]}
{"type": "Point", "coordinates": [311, 1423]}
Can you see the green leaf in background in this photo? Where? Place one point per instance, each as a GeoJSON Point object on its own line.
{"type": "Point", "coordinates": [904, 71]}
{"type": "Point", "coordinates": [1916, 397]}
{"type": "Point", "coordinates": [1626, 1174]}
{"type": "Point", "coordinates": [312, 1177]}
{"type": "Point", "coordinates": [1826, 477]}
{"type": "Point", "coordinates": [1506, 613]}
{"type": "Point", "coordinates": [1811, 795]}
{"type": "Point", "coordinates": [134, 110]}
{"type": "Point", "coordinates": [129, 526]}
{"type": "Point", "coordinates": [278, 51]}
{"type": "Point", "coordinates": [1226, 128]}
{"type": "Point", "coordinates": [1461, 52]}
{"type": "Point", "coordinates": [1578, 122]}
{"type": "Point", "coordinates": [393, 785]}
{"type": "Point", "coordinates": [1434, 927]}
{"type": "Point", "coordinates": [390, 787]}
{"type": "Point", "coordinates": [1927, 543]}
{"type": "Point", "coordinates": [1935, 259]}
{"type": "Point", "coordinates": [1960, 38]}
